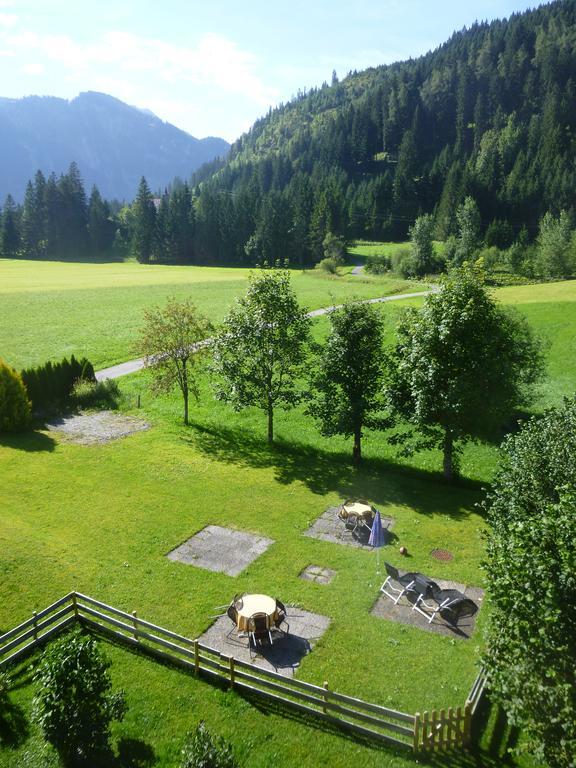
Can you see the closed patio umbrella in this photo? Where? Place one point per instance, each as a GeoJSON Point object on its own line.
{"type": "Point", "coordinates": [377, 538]}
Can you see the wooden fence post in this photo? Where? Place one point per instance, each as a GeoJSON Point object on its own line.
{"type": "Point", "coordinates": [450, 728]}
{"type": "Point", "coordinates": [425, 730]}
{"type": "Point", "coordinates": [135, 622]}
{"type": "Point", "coordinates": [467, 724]}
{"type": "Point", "coordinates": [196, 658]}
{"type": "Point", "coordinates": [324, 707]}
{"type": "Point", "coordinates": [35, 626]}
{"type": "Point", "coordinates": [416, 742]}
{"type": "Point", "coordinates": [231, 668]}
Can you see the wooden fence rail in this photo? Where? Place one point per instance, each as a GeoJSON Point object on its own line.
{"type": "Point", "coordinates": [447, 729]}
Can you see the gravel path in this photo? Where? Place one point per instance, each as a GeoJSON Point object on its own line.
{"type": "Point", "coordinates": [131, 366]}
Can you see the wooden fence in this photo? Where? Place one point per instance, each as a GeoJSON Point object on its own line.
{"type": "Point", "coordinates": [444, 730]}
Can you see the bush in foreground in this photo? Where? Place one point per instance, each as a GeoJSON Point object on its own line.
{"type": "Point", "coordinates": [202, 750]}
{"type": "Point", "coordinates": [531, 654]}
{"type": "Point", "coordinates": [74, 705]}
{"type": "Point", "coordinates": [14, 403]}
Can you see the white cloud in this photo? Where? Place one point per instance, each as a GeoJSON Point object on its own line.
{"type": "Point", "coordinates": [8, 19]}
{"type": "Point", "coordinates": [34, 69]}
{"type": "Point", "coordinates": [215, 60]}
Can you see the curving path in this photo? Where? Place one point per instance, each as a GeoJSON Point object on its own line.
{"type": "Point", "coordinates": [132, 366]}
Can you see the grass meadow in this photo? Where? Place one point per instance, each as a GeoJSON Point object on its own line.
{"type": "Point", "coordinates": [53, 309]}
{"type": "Point", "coordinates": [101, 519]}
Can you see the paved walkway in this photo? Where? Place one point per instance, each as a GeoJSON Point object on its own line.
{"type": "Point", "coordinates": [131, 366]}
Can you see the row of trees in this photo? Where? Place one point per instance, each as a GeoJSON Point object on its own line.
{"type": "Point", "coordinates": [461, 364]}
{"type": "Point", "coordinates": [57, 220]}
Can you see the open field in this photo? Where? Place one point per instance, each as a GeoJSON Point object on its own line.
{"type": "Point", "coordinates": [101, 519]}
{"type": "Point", "coordinates": [52, 309]}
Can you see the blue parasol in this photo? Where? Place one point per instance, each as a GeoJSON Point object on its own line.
{"type": "Point", "coordinates": [377, 538]}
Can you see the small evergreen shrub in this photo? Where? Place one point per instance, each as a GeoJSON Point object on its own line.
{"type": "Point", "coordinates": [50, 385]}
{"type": "Point", "coordinates": [14, 404]}
{"type": "Point", "coordinates": [202, 750]}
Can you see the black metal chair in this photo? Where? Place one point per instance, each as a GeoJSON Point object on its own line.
{"type": "Point", "coordinates": [259, 629]}
{"type": "Point", "coordinates": [406, 583]}
{"type": "Point", "coordinates": [281, 617]}
{"type": "Point", "coordinates": [451, 604]}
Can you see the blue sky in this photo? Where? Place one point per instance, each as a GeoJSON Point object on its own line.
{"type": "Point", "coordinates": [212, 68]}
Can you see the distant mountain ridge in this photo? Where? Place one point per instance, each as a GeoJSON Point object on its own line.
{"type": "Point", "coordinates": [113, 144]}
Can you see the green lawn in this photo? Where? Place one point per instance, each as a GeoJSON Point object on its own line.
{"type": "Point", "coordinates": [101, 520]}
{"type": "Point", "coordinates": [52, 309]}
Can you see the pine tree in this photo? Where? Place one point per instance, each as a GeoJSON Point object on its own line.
{"type": "Point", "coordinates": [144, 232]}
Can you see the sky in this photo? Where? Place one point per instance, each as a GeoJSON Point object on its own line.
{"type": "Point", "coordinates": [213, 68]}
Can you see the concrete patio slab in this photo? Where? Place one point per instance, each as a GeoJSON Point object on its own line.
{"type": "Point", "coordinates": [287, 650]}
{"type": "Point", "coordinates": [329, 527]}
{"type": "Point", "coordinates": [221, 549]}
{"type": "Point", "coordinates": [403, 612]}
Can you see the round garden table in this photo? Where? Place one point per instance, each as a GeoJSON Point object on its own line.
{"type": "Point", "coordinates": [359, 509]}
{"type": "Point", "coordinates": [252, 604]}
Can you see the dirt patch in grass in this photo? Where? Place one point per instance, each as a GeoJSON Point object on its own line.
{"type": "Point", "coordinates": [95, 428]}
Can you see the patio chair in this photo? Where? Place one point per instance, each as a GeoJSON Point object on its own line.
{"type": "Point", "coordinates": [259, 630]}
{"type": "Point", "coordinates": [451, 604]}
{"type": "Point", "coordinates": [406, 583]}
{"type": "Point", "coordinates": [281, 617]}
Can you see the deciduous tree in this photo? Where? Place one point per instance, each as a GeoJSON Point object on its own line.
{"type": "Point", "coordinates": [260, 350]}
{"type": "Point", "coordinates": [348, 381]}
{"type": "Point", "coordinates": [170, 341]}
{"type": "Point", "coordinates": [461, 365]}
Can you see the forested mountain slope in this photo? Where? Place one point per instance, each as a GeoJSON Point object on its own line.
{"type": "Point", "coordinates": [491, 113]}
{"type": "Point", "coordinates": [113, 144]}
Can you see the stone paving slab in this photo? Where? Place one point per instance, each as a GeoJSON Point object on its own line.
{"type": "Point", "coordinates": [329, 527]}
{"type": "Point", "coordinates": [287, 650]}
{"type": "Point", "coordinates": [403, 613]}
{"type": "Point", "coordinates": [318, 574]}
{"type": "Point", "coordinates": [221, 549]}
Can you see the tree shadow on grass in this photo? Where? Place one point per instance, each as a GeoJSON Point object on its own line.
{"type": "Point", "coordinates": [32, 441]}
{"type": "Point", "coordinates": [14, 728]}
{"type": "Point", "coordinates": [134, 753]}
{"type": "Point", "coordinates": [381, 480]}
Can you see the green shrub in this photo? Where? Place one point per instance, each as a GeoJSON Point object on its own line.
{"type": "Point", "coordinates": [202, 750]}
{"type": "Point", "coordinates": [404, 263]}
{"type": "Point", "coordinates": [329, 264]}
{"type": "Point", "coordinates": [73, 704]}
{"type": "Point", "coordinates": [51, 384]}
{"type": "Point", "coordinates": [100, 395]}
{"type": "Point", "coordinates": [14, 404]}
{"type": "Point", "coordinates": [377, 265]}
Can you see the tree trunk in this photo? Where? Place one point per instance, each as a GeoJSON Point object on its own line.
{"type": "Point", "coordinates": [448, 454]}
{"type": "Point", "coordinates": [270, 423]}
{"type": "Point", "coordinates": [357, 448]}
{"type": "Point", "coordinates": [185, 393]}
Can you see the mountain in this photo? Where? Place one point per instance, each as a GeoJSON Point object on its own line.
{"type": "Point", "coordinates": [491, 113]}
{"type": "Point", "coordinates": [113, 144]}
